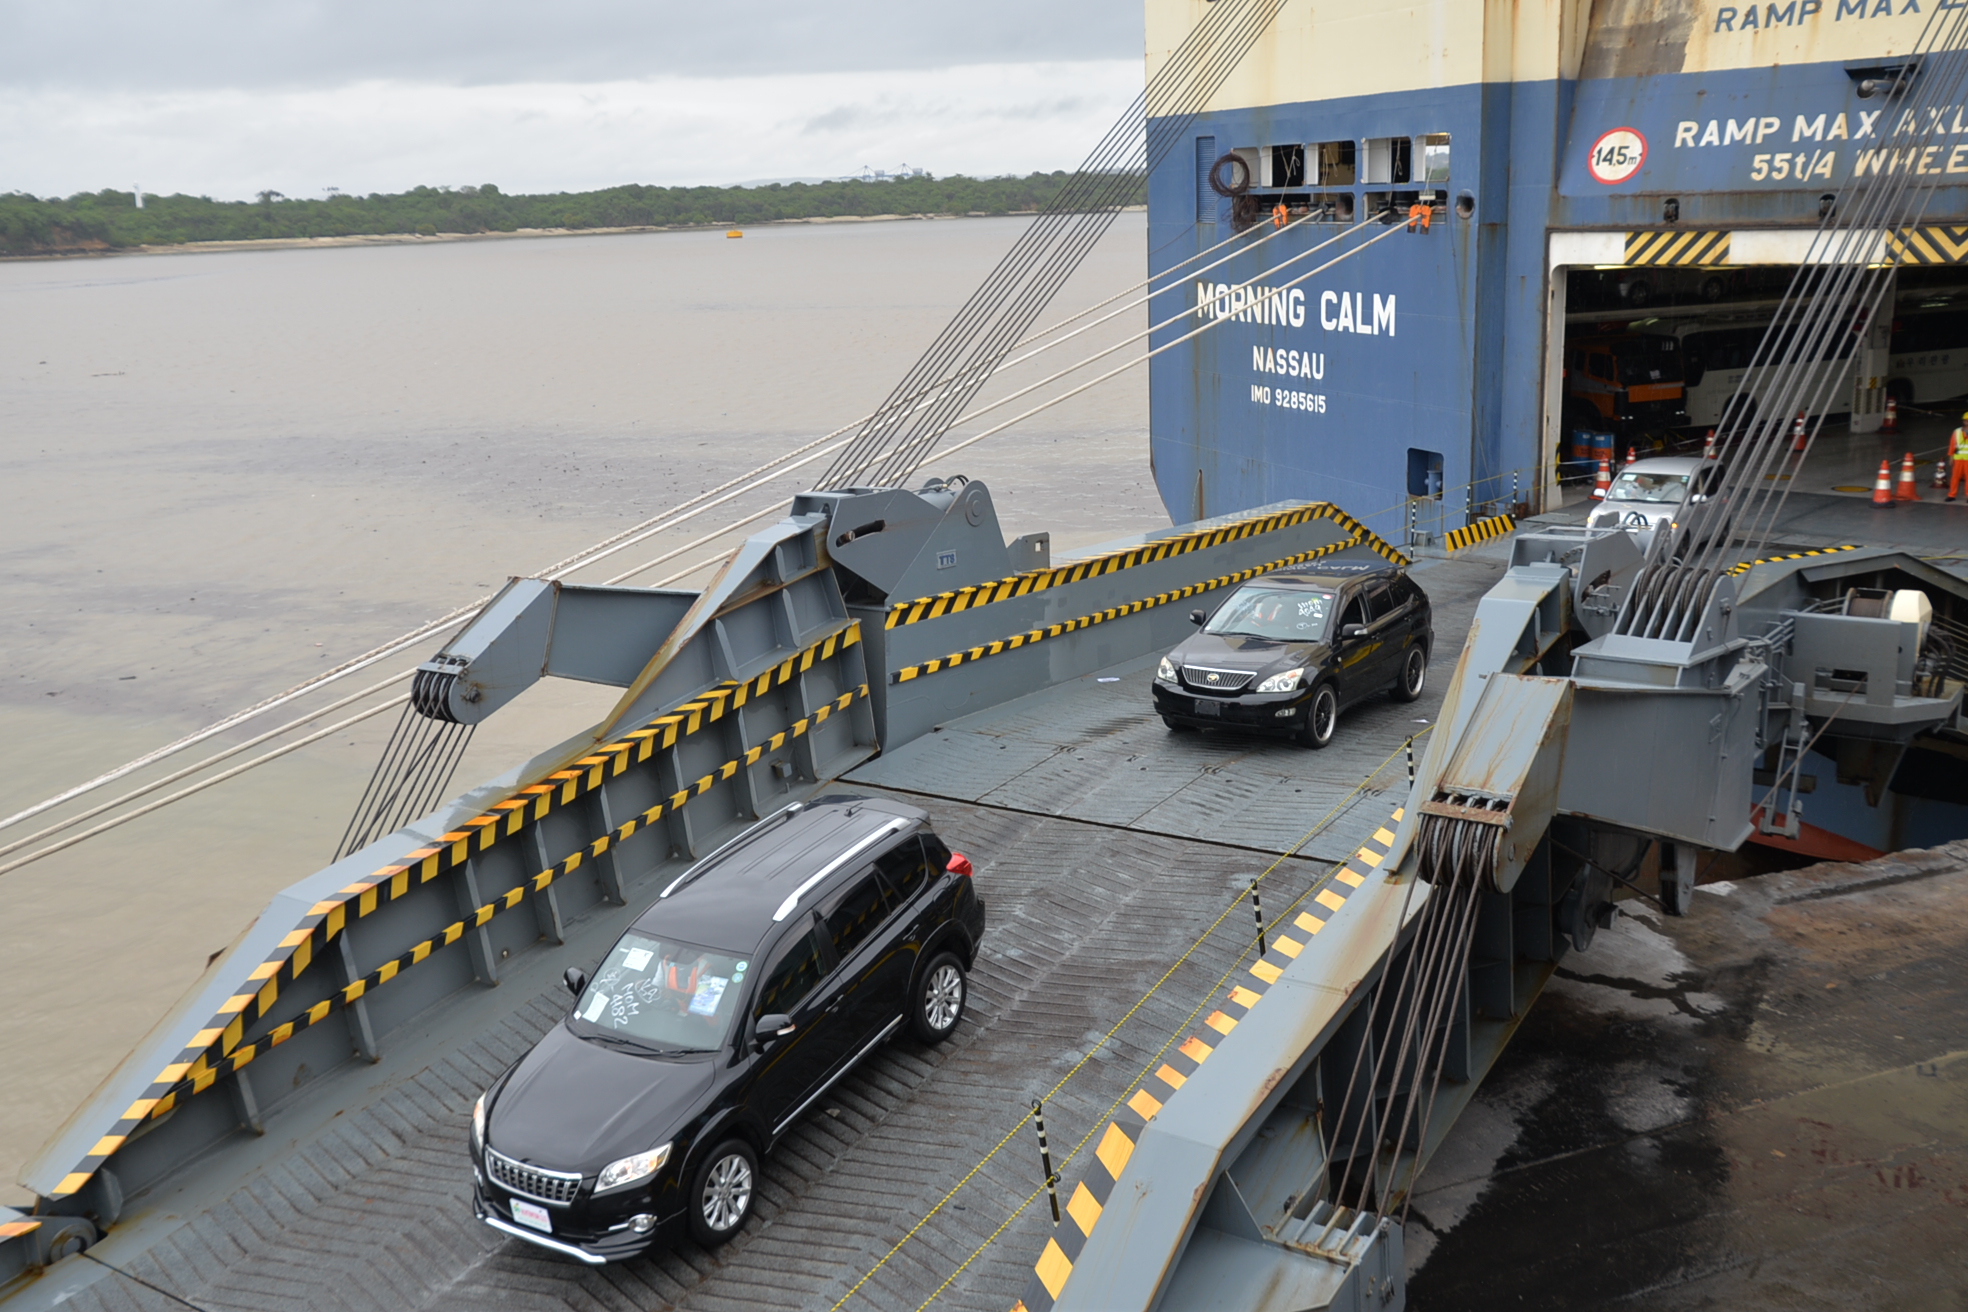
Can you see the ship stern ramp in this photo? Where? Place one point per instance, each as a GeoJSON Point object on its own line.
{"type": "Point", "coordinates": [1271, 1172]}
{"type": "Point", "coordinates": [734, 702]}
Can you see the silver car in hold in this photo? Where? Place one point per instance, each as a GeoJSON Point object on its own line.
{"type": "Point", "coordinates": [1650, 493]}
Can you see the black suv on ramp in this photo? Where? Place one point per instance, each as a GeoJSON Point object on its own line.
{"type": "Point", "coordinates": [759, 978]}
{"type": "Point", "coordinates": [1287, 650]}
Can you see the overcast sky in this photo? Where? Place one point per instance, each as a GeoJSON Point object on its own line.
{"type": "Point", "coordinates": [225, 98]}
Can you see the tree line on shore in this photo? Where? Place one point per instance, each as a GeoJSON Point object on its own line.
{"type": "Point", "coordinates": [110, 219]}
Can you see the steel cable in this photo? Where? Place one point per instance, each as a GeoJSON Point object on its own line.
{"type": "Point", "coordinates": [1029, 274]}
{"type": "Point", "coordinates": [1835, 279]}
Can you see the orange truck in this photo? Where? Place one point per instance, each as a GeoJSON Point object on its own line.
{"type": "Point", "coordinates": [1624, 381]}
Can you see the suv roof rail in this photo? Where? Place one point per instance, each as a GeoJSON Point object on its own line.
{"type": "Point", "coordinates": [792, 899]}
{"type": "Point", "coordinates": [751, 832]}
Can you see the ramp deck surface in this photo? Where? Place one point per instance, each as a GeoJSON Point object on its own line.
{"type": "Point", "coordinates": [1111, 854]}
{"type": "Point", "coordinates": [1760, 1106]}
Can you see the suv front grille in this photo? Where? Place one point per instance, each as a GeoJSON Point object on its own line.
{"type": "Point", "coordinates": [1204, 679]}
{"type": "Point", "coordinates": [555, 1188]}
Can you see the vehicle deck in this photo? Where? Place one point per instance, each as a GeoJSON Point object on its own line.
{"type": "Point", "coordinates": [1112, 855]}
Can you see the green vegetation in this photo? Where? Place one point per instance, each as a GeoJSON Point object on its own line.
{"type": "Point", "coordinates": [108, 220]}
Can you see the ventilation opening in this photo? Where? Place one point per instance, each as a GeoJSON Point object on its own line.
{"type": "Point", "coordinates": [1389, 159]}
{"type": "Point", "coordinates": [1336, 163]}
{"type": "Point", "coordinates": [1392, 206]}
{"type": "Point", "coordinates": [1285, 166]}
{"type": "Point", "coordinates": [1434, 157]}
{"type": "Point", "coordinates": [1206, 204]}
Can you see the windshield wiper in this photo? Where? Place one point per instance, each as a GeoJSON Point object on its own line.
{"type": "Point", "coordinates": [636, 1045]}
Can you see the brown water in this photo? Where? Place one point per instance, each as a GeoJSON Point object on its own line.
{"type": "Point", "coordinates": [226, 472]}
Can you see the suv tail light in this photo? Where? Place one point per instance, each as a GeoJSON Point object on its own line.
{"type": "Point", "coordinates": [959, 865]}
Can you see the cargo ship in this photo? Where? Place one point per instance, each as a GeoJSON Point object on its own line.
{"type": "Point", "coordinates": [1553, 145]}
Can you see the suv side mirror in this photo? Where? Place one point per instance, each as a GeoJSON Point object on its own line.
{"type": "Point", "coordinates": [575, 979]}
{"type": "Point", "coordinates": [770, 1029]}
{"type": "Point", "coordinates": [1197, 617]}
{"type": "Point", "coordinates": [1353, 631]}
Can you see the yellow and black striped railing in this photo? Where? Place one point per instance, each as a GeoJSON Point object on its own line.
{"type": "Point", "coordinates": [1115, 1145]}
{"type": "Point", "coordinates": [1038, 580]}
{"type": "Point", "coordinates": [1737, 571]}
{"type": "Point", "coordinates": [1026, 639]}
{"type": "Point", "coordinates": [196, 1066]}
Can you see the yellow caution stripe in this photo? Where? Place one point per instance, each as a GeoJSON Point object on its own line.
{"type": "Point", "coordinates": [1114, 1144]}
{"type": "Point", "coordinates": [1496, 526]}
{"type": "Point", "coordinates": [1934, 244]}
{"type": "Point", "coordinates": [202, 1075]}
{"type": "Point", "coordinates": [1178, 544]}
{"type": "Point", "coordinates": [1026, 639]}
{"type": "Point", "coordinates": [1736, 571]}
{"type": "Point", "coordinates": [1677, 247]}
{"type": "Point", "coordinates": [261, 990]}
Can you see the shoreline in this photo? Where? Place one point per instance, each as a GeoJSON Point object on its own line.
{"type": "Point", "coordinates": [411, 238]}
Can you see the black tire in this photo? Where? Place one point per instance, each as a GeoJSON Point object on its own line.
{"type": "Point", "coordinates": [938, 1005]}
{"type": "Point", "coordinates": [1414, 674]}
{"type": "Point", "coordinates": [1321, 717]}
{"type": "Point", "coordinates": [722, 1190]}
{"type": "Point", "coordinates": [1639, 292]}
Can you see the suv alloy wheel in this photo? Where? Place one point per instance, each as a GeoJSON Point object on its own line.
{"type": "Point", "coordinates": [939, 1002]}
{"type": "Point", "coordinates": [721, 1192]}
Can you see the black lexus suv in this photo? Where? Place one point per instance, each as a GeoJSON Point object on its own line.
{"type": "Point", "coordinates": [758, 978]}
{"type": "Point", "coordinates": [1288, 650]}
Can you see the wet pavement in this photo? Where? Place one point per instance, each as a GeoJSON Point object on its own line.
{"type": "Point", "coordinates": [1763, 1105]}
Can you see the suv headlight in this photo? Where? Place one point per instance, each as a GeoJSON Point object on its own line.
{"type": "Point", "coordinates": [632, 1170]}
{"type": "Point", "coordinates": [1165, 672]}
{"type": "Point", "coordinates": [478, 1121]}
{"type": "Point", "coordinates": [1286, 682]}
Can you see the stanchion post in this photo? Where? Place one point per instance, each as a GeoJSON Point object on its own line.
{"type": "Point", "coordinates": [1045, 1158]}
{"type": "Point", "coordinates": [1411, 762]}
{"type": "Point", "coordinates": [1257, 909]}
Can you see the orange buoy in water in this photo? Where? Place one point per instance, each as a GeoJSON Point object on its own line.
{"type": "Point", "coordinates": [734, 233]}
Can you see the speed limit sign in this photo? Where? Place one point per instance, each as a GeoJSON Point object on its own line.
{"type": "Point", "coordinates": [1617, 156]}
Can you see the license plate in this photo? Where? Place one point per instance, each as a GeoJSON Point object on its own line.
{"type": "Point", "coordinates": [1207, 707]}
{"type": "Point", "coordinates": [532, 1214]}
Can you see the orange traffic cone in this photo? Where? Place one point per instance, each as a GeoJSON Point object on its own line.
{"type": "Point", "coordinates": [1632, 454]}
{"type": "Point", "coordinates": [1909, 488]}
{"type": "Point", "coordinates": [1603, 480]}
{"type": "Point", "coordinates": [1797, 433]}
{"type": "Point", "coordinates": [1708, 446]}
{"type": "Point", "coordinates": [1892, 421]}
{"type": "Point", "coordinates": [1882, 487]}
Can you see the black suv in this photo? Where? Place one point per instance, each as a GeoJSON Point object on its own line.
{"type": "Point", "coordinates": [759, 978]}
{"type": "Point", "coordinates": [1288, 649]}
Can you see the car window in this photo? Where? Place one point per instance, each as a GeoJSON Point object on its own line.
{"type": "Point", "coordinates": [793, 975]}
{"type": "Point", "coordinates": [906, 869]}
{"type": "Point", "coordinates": [663, 994]}
{"type": "Point", "coordinates": [1287, 614]}
{"type": "Point", "coordinates": [1661, 488]}
{"type": "Point", "coordinates": [1375, 605]}
{"type": "Point", "coordinates": [856, 912]}
{"type": "Point", "coordinates": [937, 853]}
{"type": "Point", "coordinates": [1355, 613]}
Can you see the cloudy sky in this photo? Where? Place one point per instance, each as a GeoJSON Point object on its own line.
{"type": "Point", "coordinates": [226, 98]}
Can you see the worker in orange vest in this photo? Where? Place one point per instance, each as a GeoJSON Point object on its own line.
{"type": "Point", "coordinates": [1958, 451]}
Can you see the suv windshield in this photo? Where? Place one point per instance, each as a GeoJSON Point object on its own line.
{"type": "Point", "coordinates": [1648, 487]}
{"type": "Point", "coordinates": [1289, 615]}
{"type": "Point", "coordinates": [662, 995]}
